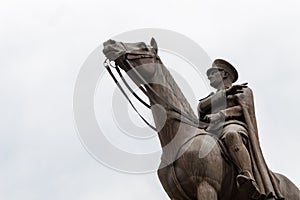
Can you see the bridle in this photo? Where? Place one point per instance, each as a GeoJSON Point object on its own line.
{"type": "Point", "coordinates": [132, 56]}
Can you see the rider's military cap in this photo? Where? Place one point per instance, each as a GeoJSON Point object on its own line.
{"type": "Point", "coordinates": [220, 64]}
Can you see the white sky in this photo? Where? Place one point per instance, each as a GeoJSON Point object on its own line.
{"type": "Point", "coordinates": [44, 43]}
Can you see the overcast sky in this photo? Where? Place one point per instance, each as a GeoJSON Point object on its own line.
{"type": "Point", "coordinates": [45, 43]}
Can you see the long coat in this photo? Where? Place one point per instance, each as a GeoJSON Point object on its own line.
{"type": "Point", "coordinates": [266, 180]}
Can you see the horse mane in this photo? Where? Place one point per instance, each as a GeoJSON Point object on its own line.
{"type": "Point", "coordinates": [176, 92]}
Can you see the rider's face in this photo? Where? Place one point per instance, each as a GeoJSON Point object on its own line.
{"type": "Point", "coordinates": [216, 78]}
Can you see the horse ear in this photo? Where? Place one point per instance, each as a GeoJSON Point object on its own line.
{"type": "Point", "coordinates": [154, 44]}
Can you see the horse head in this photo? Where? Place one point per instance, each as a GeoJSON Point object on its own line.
{"type": "Point", "coordinates": [129, 56]}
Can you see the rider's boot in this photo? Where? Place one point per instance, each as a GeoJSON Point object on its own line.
{"type": "Point", "coordinates": [245, 179]}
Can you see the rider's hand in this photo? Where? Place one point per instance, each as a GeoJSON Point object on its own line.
{"type": "Point", "coordinates": [235, 89]}
{"type": "Point", "coordinates": [214, 118]}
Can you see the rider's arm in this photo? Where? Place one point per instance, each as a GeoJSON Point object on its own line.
{"type": "Point", "coordinates": [205, 104]}
{"type": "Point", "coordinates": [212, 99]}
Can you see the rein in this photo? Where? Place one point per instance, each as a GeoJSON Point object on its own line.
{"type": "Point", "coordinates": [108, 65]}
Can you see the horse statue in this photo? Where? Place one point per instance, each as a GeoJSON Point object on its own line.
{"type": "Point", "coordinates": [193, 163]}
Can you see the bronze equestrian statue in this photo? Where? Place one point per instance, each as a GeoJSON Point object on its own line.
{"type": "Point", "coordinates": [215, 156]}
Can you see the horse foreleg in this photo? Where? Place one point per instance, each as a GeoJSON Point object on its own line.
{"type": "Point", "coordinates": [206, 192]}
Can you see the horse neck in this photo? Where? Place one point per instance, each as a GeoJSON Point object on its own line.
{"type": "Point", "coordinates": [165, 89]}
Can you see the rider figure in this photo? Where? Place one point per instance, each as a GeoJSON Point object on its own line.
{"type": "Point", "coordinates": [225, 116]}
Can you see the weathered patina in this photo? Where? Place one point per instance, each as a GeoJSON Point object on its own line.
{"type": "Point", "coordinates": [183, 173]}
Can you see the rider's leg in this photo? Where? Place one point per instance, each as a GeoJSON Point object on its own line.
{"type": "Point", "coordinates": [238, 151]}
{"type": "Point", "coordinates": [241, 158]}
